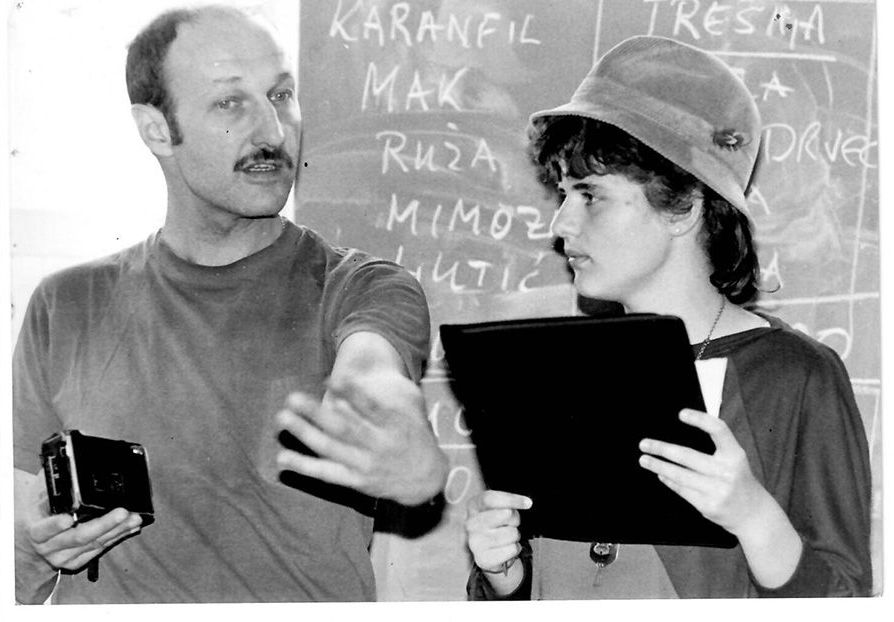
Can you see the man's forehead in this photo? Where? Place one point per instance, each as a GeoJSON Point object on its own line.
{"type": "Point", "coordinates": [226, 42]}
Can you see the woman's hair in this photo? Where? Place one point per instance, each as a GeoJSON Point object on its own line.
{"type": "Point", "coordinates": [589, 147]}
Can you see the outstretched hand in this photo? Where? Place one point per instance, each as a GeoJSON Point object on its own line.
{"type": "Point", "coordinates": [370, 433]}
{"type": "Point", "coordinates": [721, 485]}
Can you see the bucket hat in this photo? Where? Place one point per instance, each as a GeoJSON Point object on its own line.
{"type": "Point", "coordinates": [681, 101]}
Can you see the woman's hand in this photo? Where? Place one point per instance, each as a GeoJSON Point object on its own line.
{"type": "Point", "coordinates": [720, 486]}
{"type": "Point", "coordinates": [494, 539]}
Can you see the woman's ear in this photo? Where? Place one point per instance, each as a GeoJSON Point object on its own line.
{"type": "Point", "coordinates": [153, 128]}
{"type": "Point", "coordinates": [681, 224]}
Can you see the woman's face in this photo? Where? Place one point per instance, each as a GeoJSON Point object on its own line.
{"type": "Point", "coordinates": [617, 244]}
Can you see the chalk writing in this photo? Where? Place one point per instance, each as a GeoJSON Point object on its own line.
{"type": "Point", "coordinates": [446, 155]}
{"type": "Point", "coordinates": [697, 19]}
{"type": "Point", "coordinates": [782, 142]}
{"type": "Point", "coordinates": [458, 482]}
{"type": "Point", "coordinates": [466, 275]}
{"type": "Point", "coordinates": [421, 94]}
{"type": "Point", "coordinates": [495, 224]}
{"type": "Point", "coordinates": [406, 25]}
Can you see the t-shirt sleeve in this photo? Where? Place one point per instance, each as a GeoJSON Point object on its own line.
{"type": "Point", "coordinates": [34, 418]}
{"type": "Point", "coordinates": [384, 298]}
{"type": "Point", "coordinates": [831, 490]}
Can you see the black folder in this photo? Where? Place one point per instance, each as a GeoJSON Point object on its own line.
{"type": "Point", "coordinates": [556, 409]}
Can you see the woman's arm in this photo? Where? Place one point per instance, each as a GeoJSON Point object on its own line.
{"type": "Point", "coordinates": [722, 487]}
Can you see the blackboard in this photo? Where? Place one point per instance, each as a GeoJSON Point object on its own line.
{"type": "Point", "coordinates": [414, 140]}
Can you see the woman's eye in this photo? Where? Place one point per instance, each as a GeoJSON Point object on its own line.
{"type": "Point", "coordinates": [282, 96]}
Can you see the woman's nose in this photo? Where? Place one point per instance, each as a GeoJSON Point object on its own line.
{"type": "Point", "coordinates": [564, 223]}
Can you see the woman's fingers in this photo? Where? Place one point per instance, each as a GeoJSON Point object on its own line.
{"type": "Point", "coordinates": [498, 499]}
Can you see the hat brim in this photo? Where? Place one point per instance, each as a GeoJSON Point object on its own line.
{"type": "Point", "coordinates": [691, 154]}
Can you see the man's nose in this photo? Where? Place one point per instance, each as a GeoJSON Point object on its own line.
{"type": "Point", "coordinates": [269, 129]}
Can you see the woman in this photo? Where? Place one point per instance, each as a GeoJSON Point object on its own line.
{"type": "Point", "coordinates": [651, 160]}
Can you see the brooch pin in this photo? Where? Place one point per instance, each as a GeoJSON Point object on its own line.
{"type": "Point", "coordinates": [729, 139]}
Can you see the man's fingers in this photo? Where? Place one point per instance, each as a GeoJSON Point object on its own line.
{"type": "Point", "coordinates": [86, 540]}
{"type": "Point", "coordinates": [47, 530]}
{"type": "Point", "coordinates": [321, 442]}
{"type": "Point", "coordinates": [129, 527]}
{"type": "Point", "coordinates": [319, 468]}
{"type": "Point", "coordinates": [49, 527]}
{"type": "Point", "coordinates": [333, 416]}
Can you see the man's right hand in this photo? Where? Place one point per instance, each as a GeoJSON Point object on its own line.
{"type": "Point", "coordinates": [48, 542]}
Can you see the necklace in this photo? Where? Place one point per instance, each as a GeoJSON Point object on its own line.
{"type": "Point", "coordinates": [707, 340]}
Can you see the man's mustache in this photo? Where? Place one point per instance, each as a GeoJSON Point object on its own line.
{"type": "Point", "coordinates": [277, 156]}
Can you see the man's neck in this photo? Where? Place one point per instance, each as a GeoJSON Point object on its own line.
{"type": "Point", "coordinates": [220, 244]}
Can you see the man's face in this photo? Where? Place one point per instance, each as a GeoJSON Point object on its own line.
{"type": "Point", "coordinates": [234, 98]}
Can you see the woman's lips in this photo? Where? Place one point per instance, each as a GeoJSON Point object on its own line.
{"type": "Point", "coordinates": [576, 260]}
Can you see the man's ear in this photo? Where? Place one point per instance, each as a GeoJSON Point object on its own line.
{"type": "Point", "coordinates": [681, 224]}
{"type": "Point", "coordinates": [153, 128]}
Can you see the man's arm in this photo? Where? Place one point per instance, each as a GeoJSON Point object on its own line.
{"type": "Point", "coordinates": [45, 543]}
{"type": "Point", "coordinates": [370, 431]}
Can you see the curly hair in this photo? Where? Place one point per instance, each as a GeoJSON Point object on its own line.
{"type": "Point", "coordinates": [144, 71]}
{"type": "Point", "coordinates": [590, 147]}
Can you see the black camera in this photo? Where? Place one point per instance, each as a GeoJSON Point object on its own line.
{"type": "Point", "coordinates": [88, 476]}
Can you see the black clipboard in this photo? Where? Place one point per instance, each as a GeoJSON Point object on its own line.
{"type": "Point", "coordinates": [556, 409]}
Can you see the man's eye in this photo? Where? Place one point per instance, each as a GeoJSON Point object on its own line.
{"type": "Point", "coordinates": [228, 103]}
{"type": "Point", "coordinates": [589, 198]}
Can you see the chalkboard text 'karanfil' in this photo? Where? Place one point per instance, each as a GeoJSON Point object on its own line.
{"type": "Point", "coordinates": [404, 24]}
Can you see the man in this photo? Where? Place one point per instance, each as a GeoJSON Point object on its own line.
{"type": "Point", "coordinates": [190, 342]}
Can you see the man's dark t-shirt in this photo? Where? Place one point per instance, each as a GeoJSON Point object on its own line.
{"type": "Point", "coordinates": [193, 362]}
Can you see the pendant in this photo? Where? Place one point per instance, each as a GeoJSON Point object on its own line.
{"type": "Point", "coordinates": [603, 554]}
